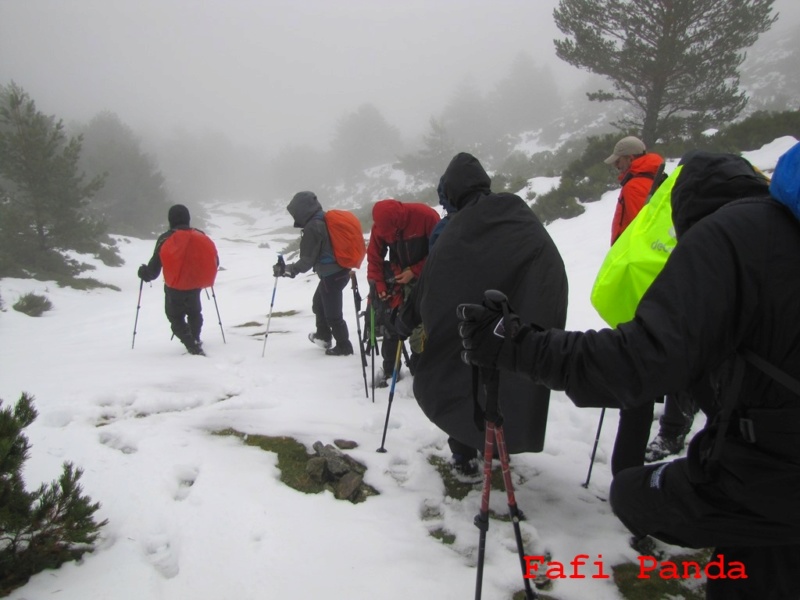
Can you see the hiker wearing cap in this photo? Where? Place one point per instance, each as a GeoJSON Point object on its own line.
{"type": "Point", "coordinates": [637, 169]}
{"type": "Point", "coordinates": [190, 262]}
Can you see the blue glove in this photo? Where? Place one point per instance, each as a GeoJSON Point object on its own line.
{"type": "Point", "coordinates": [489, 332]}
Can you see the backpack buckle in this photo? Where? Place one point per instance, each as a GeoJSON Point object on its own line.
{"type": "Point", "coordinates": [748, 430]}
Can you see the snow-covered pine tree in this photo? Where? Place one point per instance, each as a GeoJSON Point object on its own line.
{"type": "Point", "coordinates": [41, 529]}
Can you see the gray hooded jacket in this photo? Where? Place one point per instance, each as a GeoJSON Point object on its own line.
{"type": "Point", "coordinates": [315, 242]}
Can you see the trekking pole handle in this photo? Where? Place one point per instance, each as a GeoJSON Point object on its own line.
{"type": "Point", "coordinates": [497, 301]}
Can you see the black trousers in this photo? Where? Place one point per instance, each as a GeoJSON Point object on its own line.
{"type": "Point", "coordinates": [661, 501]}
{"type": "Point", "coordinates": [678, 416]}
{"type": "Point", "coordinates": [185, 313]}
{"type": "Point", "coordinates": [327, 307]}
{"type": "Point", "coordinates": [633, 433]}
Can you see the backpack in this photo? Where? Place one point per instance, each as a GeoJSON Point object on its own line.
{"type": "Point", "coordinates": [636, 258]}
{"type": "Point", "coordinates": [347, 238]}
{"type": "Point", "coordinates": [189, 259]}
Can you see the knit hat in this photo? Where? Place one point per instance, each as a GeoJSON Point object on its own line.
{"type": "Point", "coordinates": [627, 146]}
{"type": "Point", "coordinates": [178, 215]}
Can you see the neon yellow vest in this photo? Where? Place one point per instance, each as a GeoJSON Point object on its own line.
{"type": "Point", "coordinates": [636, 258]}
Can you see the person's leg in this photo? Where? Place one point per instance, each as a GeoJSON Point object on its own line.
{"type": "Point", "coordinates": [633, 432]}
{"type": "Point", "coordinates": [322, 333]}
{"type": "Point", "coordinates": [674, 425]}
{"type": "Point", "coordinates": [389, 347]}
{"type": "Point", "coordinates": [463, 457]}
{"type": "Point", "coordinates": [194, 313]}
{"type": "Point", "coordinates": [331, 297]}
{"type": "Point", "coordinates": [175, 306]}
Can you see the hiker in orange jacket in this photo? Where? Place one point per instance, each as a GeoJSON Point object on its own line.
{"type": "Point", "coordinates": [190, 261]}
{"type": "Point", "coordinates": [637, 169]}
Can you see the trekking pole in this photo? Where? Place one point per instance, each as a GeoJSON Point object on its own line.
{"type": "Point", "coordinates": [495, 433]}
{"type": "Point", "coordinates": [138, 306]}
{"type": "Point", "coordinates": [271, 304]}
{"type": "Point", "coordinates": [357, 302]}
{"type": "Point", "coordinates": [594, 450]}
{"type": "Point", "coordinates": [391, 394]}
{"type": "Point", "coordinates": [373, 344]}
{"type": "Point", "coordinates": [219, 319]}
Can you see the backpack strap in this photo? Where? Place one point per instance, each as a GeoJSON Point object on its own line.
{"type": "Point", "coordinates": [766, 367]}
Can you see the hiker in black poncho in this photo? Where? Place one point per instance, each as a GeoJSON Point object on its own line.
{"type": "Point", "coordinates": [491, 241]}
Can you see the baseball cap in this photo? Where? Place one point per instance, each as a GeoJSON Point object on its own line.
{"type": "Point", "coordinates": [627, 146]}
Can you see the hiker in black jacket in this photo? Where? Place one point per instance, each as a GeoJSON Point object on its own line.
{"type": "Point", "coordinates": [491, 241]}
{"type": "Point", "coordinates": [189, 260]}
{"type": "Point", "coordinates": [731, 286]}
{"type": "Point", "coordinates": [316, 251]}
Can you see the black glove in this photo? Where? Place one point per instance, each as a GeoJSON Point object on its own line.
{"type": "Point", "coordinates": [287, 272]}
{"type": "Point", "coordinates": [143, 273]}
{"type": "Point", "coordinates": [489, 332]}
{"type": "Point", "coordinates": [279, 269]}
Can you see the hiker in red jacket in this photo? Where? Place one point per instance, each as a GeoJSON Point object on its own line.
{"type": "Point", "coordinates": [637, 169]}
{"type": "Point", "coordinates": [402, 228]}
{"type": "Point", "coordinates": [190, 261]}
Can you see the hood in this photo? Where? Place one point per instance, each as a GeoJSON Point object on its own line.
{"type": "Point", "coordinates": [785, 185]}
{"type": "Point", "coordinates": [302, 207]}
{"type": "Point", "coordinates": [707, 182]}
{"type": "Point", "coordinates": [388, 217]}
{"type": "Point", "coordinates": [443, 201]}
{"type": "Point", "coordinates": [178, 215]}
{"type": "Point", "coordinates": [647, 164]}
{"type": "Point", "coordinates": [464, 180]}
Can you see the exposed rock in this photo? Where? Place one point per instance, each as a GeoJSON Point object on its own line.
{"type": "Point", "coordinates": [341, 474]}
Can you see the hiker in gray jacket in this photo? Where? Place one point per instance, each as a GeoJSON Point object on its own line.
{"type": "Point", "coordinates": [316, 252]}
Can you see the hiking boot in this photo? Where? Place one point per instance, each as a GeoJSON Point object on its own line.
{"type": "Point", "coordinates": [195, 347]}
{"type": "Point", "coordinates": [318, 341]}
{"type": "Point", "coordinates": [384, 379]}
{"type": "Point", "coordinates": [464, 468]}
{"type": "Point", "coordinates": [381, 380]}
{"type": "Point", "coordinates": [662, 446]}
{"type": "Point", "coordinates": [341, 349]}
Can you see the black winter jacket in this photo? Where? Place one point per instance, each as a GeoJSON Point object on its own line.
{"type": "Point", "coordinates": [732, 283]}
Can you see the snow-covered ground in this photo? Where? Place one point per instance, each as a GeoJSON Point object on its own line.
{"type": "Point", "coordinates": [194, 515]}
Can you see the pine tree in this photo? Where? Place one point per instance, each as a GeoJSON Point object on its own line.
{"type": "Point", "coordinates": [428, 164]}
{"type": "Point", "coordinates": [675, 62]}
{"type": "Point", "coordinates": [133, 199]}
{"type": "Point", "coordinates": [42, 529]}
{"type": "Point", "coordinates": [42, 195]}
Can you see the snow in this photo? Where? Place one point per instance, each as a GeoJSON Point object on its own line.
{"type": "Point", "coordinates": [196, 515]}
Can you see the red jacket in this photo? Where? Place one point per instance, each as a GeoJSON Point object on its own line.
{"type": "Point", "coordinates": [636, 183]}
{"type": "Point", "coordinates": [403, 229]}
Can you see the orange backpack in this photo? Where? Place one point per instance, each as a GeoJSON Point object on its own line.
{"type": "Point", "coordinates": [347, 238]}
{"type": "Point", "coordinates": [189, 260]}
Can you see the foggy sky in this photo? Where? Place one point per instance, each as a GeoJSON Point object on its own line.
{"type": "Point", "coordinates": [268, 72]}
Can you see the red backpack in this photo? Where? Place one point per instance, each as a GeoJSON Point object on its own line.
{"type": "Point", "coordinates": [347, 238]}
{"type": "Point", "coordinates": [189, 260]}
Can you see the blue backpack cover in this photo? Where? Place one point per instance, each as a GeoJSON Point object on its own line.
{"type": "Point", "coordinates": [785, 183]}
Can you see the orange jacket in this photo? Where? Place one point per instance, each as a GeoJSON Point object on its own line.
{"type": "Point", "coordinates": [636, 183]}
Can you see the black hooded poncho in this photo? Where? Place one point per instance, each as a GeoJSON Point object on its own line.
{"type": "Point", "coordinates": [494, 241]}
